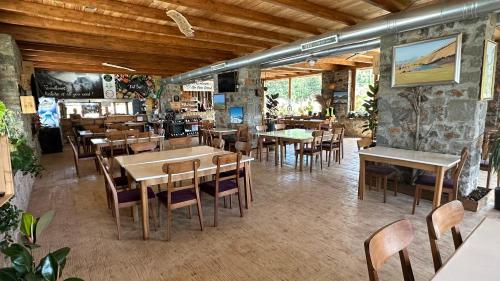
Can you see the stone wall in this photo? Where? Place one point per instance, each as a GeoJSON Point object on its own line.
{"type": "Point", "coordinates": [341, 78]}
{"type": "Point", "coordinates": [453, 117]}
{"type": "Point", "coordinates": [248, 82]}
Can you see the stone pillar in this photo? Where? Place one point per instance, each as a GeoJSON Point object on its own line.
{"type": "Point", "coordinates": [453, 117]}
{"type": "Point", "coordinates": [341, 79]}
{"type": "Point", "coordinates": [248, 83]}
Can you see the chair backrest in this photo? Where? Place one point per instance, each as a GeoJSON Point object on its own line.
{"type": "Point", "coordinates": [224, 159]}
{"type": "Point", "coordinates": [364, 143]}
{"type": "Point", "coordinates": [207, 137]}
{"type": "Point", "coordinates": [143, 147]}
{"type": "Point", "coordinates": [387, 241]}
{"type": "Point", "coordinates": [108, 180]}
{"type": "Point", "coordinates": [181, 167]}
{"type": "Point", "coordinates": [116, 126]}
{"type": "Point", "coordinates": [460, 166]}
{"type": "Point", "coordinates": [73, 147]}
{"type": "Point", "coordinates": [245, 147]}
{"type": "Point", "coordinates": [131, 133]}
{"type": "Point", "coordinates": [339, 131]}
{"type": "Point", "coordinates": [261, 128]}
{"type": "Point", "coordinates": [183, 142]}
{"type": "Point", "coordinates": [243, 133]}
{"type": "Point", "coordinates": [218, 143]}
{"type": "Point", "coordinates": [442, 219]}
{"type": "Point", "coordinates": [279, 127]}
{"type": "Point", "coordinates": [317, 137]}
{"type": "Point", "coordinates": [98, 130]}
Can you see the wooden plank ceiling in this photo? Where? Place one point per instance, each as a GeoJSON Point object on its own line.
{"type": "Point", "coordinates": [80, 35]}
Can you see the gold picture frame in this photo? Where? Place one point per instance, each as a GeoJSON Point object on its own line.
{"type": "Point", "coordinates": [488, 70]}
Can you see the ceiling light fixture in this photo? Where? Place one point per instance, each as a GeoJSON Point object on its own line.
{"type": "Point", "coordinates": [90, 9]}
{"type": "Point", "coordinates": [311, 61]}
{"type": "Point", "coordinates": [117, 66]}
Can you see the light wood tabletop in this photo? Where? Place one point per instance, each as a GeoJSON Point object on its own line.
{"type": "Point", "coordinates": [99, 143]}
{"type": "Point", "coordinates": [300, 136]}
{"type": "Point", "coordinates": [149, 172]}
{"type": "Point", "coordinates": [222, 131]}
{"type": "Point", "coordinates": [436, 163]}
{"type": "Point", "coordinates": [477, 258]}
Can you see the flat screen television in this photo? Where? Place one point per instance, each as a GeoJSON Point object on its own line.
{"type": "Point", "coordinates": [226, 82]}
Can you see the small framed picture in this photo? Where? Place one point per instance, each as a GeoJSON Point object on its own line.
{"type": "Point", "coordinates": [488, 72]}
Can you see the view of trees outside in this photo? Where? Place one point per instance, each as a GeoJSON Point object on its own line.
{"type": "Point", "coordinates": [304, 90]}
{"type": "Point", "coordinates": [364, 78]}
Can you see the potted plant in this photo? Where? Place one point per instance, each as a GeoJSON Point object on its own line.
{"type": "Point", "coordinates": [272, 110]}
{"type": "Point", "coordinates": [371, 108]}
{"type": "Point", "coordinates": [494, 152]}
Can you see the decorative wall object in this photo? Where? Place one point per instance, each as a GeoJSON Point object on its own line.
{"type": "Point", "coordinates": [201, 86]}
{"type": "Point", "coordinates": [134, 86]}
{"type": "Point", "coordinates": [28, 104]}
{"type": "Point", "coordinates": [489, 65]}
{"type": "Point", "coordinates": [48, 111]}
{"type": "Point", "coordinates": [183, 24]}
{"type": "Point", "coordinates": [69, 85]}
{"type": "Point", "coordinates": [219, 101]}
{"type": "Point", "coordinates": [236, 115]}
{"type": "Point", "coordinates": [109, 86]}
{"type": "Point", "coordinates": [434, 61]}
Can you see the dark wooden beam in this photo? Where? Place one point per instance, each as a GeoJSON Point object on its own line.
{"type": "Point", "coordinates": [317, 10]}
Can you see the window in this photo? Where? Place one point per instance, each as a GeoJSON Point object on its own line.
{"type": "Point", "coordinates": [364, 78]}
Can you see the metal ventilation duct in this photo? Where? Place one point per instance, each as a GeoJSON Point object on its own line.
{"type": "Point", "coordinates": [442, 12]}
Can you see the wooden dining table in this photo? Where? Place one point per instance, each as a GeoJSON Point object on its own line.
{"type": "Point", "coordinates": [100, 143]}
{"type": "Point", "coordinates": [436, 163]}
{"type": "Point", "coordinates": [85, 135]}
{"type": "Point", "coordinates": [477, 258]}
{"type": "Point", "coordinates": [146, 170]}
{"type": "Point", "coordinates": [222, 131]}
{"type": "Point", "coordinates": [299, 136]}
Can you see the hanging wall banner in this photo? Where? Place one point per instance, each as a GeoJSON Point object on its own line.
{"type": "Point", "coordinates": [201, 86]}
{"type": "Point", "coordinates": [134, 86]}
{"type": "Point", "coordinates": [69, 85]}
{"type": "Point", "coordinates": [108, 85]}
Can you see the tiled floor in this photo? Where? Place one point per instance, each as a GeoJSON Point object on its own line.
{"type": "Point", "coordinates": [302, 226]}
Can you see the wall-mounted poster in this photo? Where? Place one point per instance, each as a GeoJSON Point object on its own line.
{"type": "Point", "coordinates": [48, 112]}
{"type": "Point", "coordinates": [134, 86]}
{"type": "Point", "coordinates": [340, 97]}
{"type": "Point", "coordinates": [435, 61]}
{"type": "Point", "coordinates": [236, 115]}
{"type": "Point", "coordinates": [220, 101]}
{"type": "Point", "coordinates": [69, 85]}
{"type": "Point", "coordinates": [489, 66]}
{"type": "Point", "coordinates": [108, 85]}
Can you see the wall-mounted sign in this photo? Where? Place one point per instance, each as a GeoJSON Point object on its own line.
{"type": "Point", "coordinates": [201, 86]}
{"type": "Point", "coordinates": [48, 111]}
{"type": "Point", "coordinates": [108, 85]}
{"type": "Point", "coordinates": [134, 86]}
{"type": "Point", "coordinates": [69, 85]}
{"type": "Point", "coordinates": [28, 104]}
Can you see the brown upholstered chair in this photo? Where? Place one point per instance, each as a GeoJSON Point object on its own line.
{"type": "Point", "coordinates": [182, 194]}
{"type": "Point", "coordinates": [387, 241]}
{"type": "Point", "coordinates": [224, 184]}
{"type": "Point", "coordinates": [450, 185]}
{"type": "Point", "coordinates": [444, 218]}
{"type": "Point", "coordinates": [81, 156]}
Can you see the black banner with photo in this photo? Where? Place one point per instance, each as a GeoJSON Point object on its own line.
{"type": "Point", "coordinates": [69, 85]}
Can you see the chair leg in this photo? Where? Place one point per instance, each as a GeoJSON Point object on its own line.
{"type": "Point", "coordinates": [216, 209]}
{"type": "Point", "coordinates": [189, 212]}
{"type": "Point", "coordinates": [77, 169]}
{"type": "Point", "coordinates": [385, 189]}
{"type": "Point", "coordinates": [230, 201]}
{"type": "Point", "coordinates": [419, 196]}
{"type": "Point", "coordinates": [296, 159]}
{"type": "Point", "coordinates": [267, 153]}
{"type": "Point", "coordinates": [117, 219]}
{"type": "Point", "coordinates": [415, 200]}
{"type": "Point", "coordinates": [169, 222]}
{"type": "Point", "coordinates": [488, 179]}
{"type": "Point", "coordinates": [239, 203]}
{"type": "Point", "coordinates": [200, 212]}
{"type": "Point", "coordinates": [329, 157]}
{"type": "Point", "coordinates": [154, 214]}
{"type": "Point", "coordinates": [337, 153]}
{"type": "Point", "coordinates": [321, 160]}
{"type": "Point", "coordinates": [396, 185]}
{"type": "Point", "coordinates": [311, 164]}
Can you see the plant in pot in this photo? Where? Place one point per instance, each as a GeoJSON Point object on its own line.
{"type": "Point", "coordinates": [371, 108]}
{"type": "Point", "coordinates": [24, 266]}
{"type": "Point", "coordinates": [272, 110]}
{"type": "Point", "coordinates": [494, 151]}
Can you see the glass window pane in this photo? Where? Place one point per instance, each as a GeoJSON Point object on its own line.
{"type": "Point", "coordinates": [364, 78]}
{"type": "Point", "coordinates": [304, 91]}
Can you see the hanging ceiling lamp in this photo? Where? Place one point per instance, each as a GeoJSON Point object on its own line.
{"type": "Point", "coordinates": [183, 24]}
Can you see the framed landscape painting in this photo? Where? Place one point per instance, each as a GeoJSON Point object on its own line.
{"type": "Point", "coordinates": [435, 61]}
{"type": "Point", "coordinates": [219, 101]}
{"type": "Point", "coordinates": [489, 65]}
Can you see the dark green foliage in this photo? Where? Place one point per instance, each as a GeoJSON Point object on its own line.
{"type": "Point", "coordinates": [23, 158]}
{"type": "Point", "coordinates": [9, 221]}
{"type": "Point", "coordinates": [23, 267]}
{"type": "Point", "coordinates": [495, 153]}
{"type": "Point", "coordinates": [371, 108]}
{"type": "Point", "coordinates": [272, 105]}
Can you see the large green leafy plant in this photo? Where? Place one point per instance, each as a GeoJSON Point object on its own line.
{"type": "Point", "coordinates": [9, 221]}
{"type": "Point", "coordinates": [272, 105]}
{"type": "Point", "coordinates": [495, 153]}
{"type": "Point", "coordinates": [24, 267]}
{"type": "Point", "coordinates": [371, 108]}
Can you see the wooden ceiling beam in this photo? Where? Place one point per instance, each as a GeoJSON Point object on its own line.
{"type": "Point", "coordinates": [38, 35]}
{"type": "Point", "coordinates": [392, 6]}
{"type": "Point", "coordinates": [239, 12]}
{"type": "Point", "coordinates": [197, 22]}
{"type": "Point", "coordinates": [51, 24]}
{"type": "Point", "coordinates": [94, 69]}
{"type": "Point", "coordinates": [120, 25]}
{"type": "Point", "coordinates": [72, 51]}
{"type": "Point", "coordinates": [317, 10]}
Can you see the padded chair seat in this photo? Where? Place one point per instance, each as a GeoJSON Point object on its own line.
{"type": "Point", "coordinates": [327, 144]}
{"type": "Point", "coordinates": [209, 187]}
{"type": "Point", "coordinates": [133, 195]}
{"type": "Point", "coordinates": [308, 150]}
{"type": "Point", "coordinates": [86, 155]}
{"type": "Point", "coordinates": [380, 170]}
{"type": "Point", "coordinates": [232, 173]}
{"type": "Point", "coordinates": [121, 181]}
{"type": "Point", "coordinates": [485, 164]}
{"type": "Point", "coordinates": [177, 196]}
{"type": "Point", "coordinates": [268, 142]}
{"type": "Point", "coordinates": [430, 180]}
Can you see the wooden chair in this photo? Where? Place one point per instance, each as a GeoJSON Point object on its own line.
{"type": "Point", "coordinates": [176, 143]}
{"type": "Point", "coordinates": [81, 156]}
{"type": "Point", "coordinates": [387, 241]}
{"type": "Point", "coordinates": [224, 186]}
{"type": "Point", "coordinates": [205, 134]}
{"type": "Point", "coordinates": [126, 199]}
{"type": "Point", "coordinates": [380, 174]}
{"type": "Point", "coordinates": [263, 143]}
{"type": "Point", "coordinates": [121, 182]}
{"type": "Point", "coordinates": [242, 134]}
{"type": "Point", "coordinates": [444, 218]}
{"type": "Point", "coordinates": [450, 186]}
{"type": "Point", "coordinates": [332, 146]}
{"type": "Point", "coordinates": [485, 165]}
{"type": "Point", "coordinates": [314, 150]}
{"type": "Point", "coordinates": [245, 148]}
{"type": "Point", "coordinates": [181, 194]}
{"type": "Point", "coordinates": [143, 147]}
{"type": "Point", "coordinates": [341, 139]}
{"type": "Point", "coordinates": [218, 143]}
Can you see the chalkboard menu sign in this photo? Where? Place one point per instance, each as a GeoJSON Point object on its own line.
{"type": "Point", "coordinates": [69, 85]}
